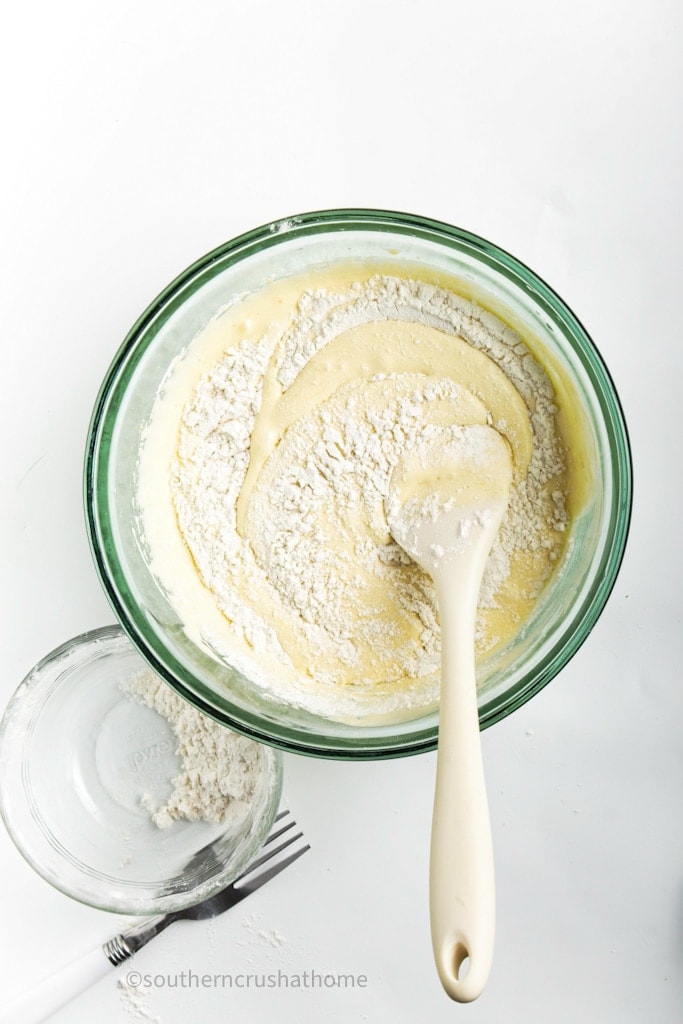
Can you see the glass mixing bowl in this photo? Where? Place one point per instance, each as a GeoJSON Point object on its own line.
{"type": "Point", "coordinates": [569, 605]}
{"type": "Point", "coordinates": [77, 757]}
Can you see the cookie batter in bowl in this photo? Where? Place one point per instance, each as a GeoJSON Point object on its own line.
{"type": "Point", "coordinates": [267, 459]}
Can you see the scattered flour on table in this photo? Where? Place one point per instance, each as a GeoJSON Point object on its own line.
{"type": "Point", "coordinates": [264, 944]}
{"type": "Point", "coordinates": [135, 1001]}
{"type": "Point", "coordinates": [270, 936]}
{"type": "Point", "coordinates": [219, 767]}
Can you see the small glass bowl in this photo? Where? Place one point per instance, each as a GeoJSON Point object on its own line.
{"type": "Point", "coordinates": [76, 755]}
{"type": "Point", "coordinates": [569, 605]}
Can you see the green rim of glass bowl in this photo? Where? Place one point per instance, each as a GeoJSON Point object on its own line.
{"type": "Point", "coordinates": [167, 303]}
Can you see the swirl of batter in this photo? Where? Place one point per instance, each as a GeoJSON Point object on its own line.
{"type": "Point", "coordinates": [286, 446]}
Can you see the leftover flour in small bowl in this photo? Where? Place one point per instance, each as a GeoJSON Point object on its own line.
{"type": "Point", "coordinates": [220, 769]}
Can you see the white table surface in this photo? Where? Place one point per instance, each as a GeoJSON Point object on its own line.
{"type": "Point", "coordinates": [139, 135]}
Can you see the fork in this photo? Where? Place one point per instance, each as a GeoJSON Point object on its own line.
{"type": "Point", "coordinates": [60, 988]}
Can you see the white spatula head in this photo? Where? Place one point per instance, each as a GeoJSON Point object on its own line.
{"type": "Point", "coordinates": [448, 492]}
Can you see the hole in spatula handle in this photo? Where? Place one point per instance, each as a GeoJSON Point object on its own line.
{"type": "Point", "coordinates": [461, 961]}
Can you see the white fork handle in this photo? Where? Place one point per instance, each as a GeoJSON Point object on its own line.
{"type": "Point", "coordinates": [41, 1001]}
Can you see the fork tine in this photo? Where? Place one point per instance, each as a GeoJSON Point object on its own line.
{"type": "Point", "coordinates": [268, 855]}
{"type": "Point", "coordinates": [276, 835]}
{"type": "Point", "coordinates": [273, 835]}
{"type": "Point", "coordinates": [271, 871]}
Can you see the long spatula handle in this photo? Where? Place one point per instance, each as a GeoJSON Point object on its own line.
{"type": "Point", "coordinates": [462, 878]}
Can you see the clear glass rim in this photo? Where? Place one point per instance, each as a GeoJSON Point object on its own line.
{"type": "Point", "coordinates": [16, 799]}
{"type": "Point", "coordinates": [281, 735]}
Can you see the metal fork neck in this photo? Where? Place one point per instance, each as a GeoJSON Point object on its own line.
{"type": "Point", "coordinates": [123, 946]}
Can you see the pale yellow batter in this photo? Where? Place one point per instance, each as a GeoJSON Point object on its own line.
{"type": "Point", "coordinates": [267, 460]}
